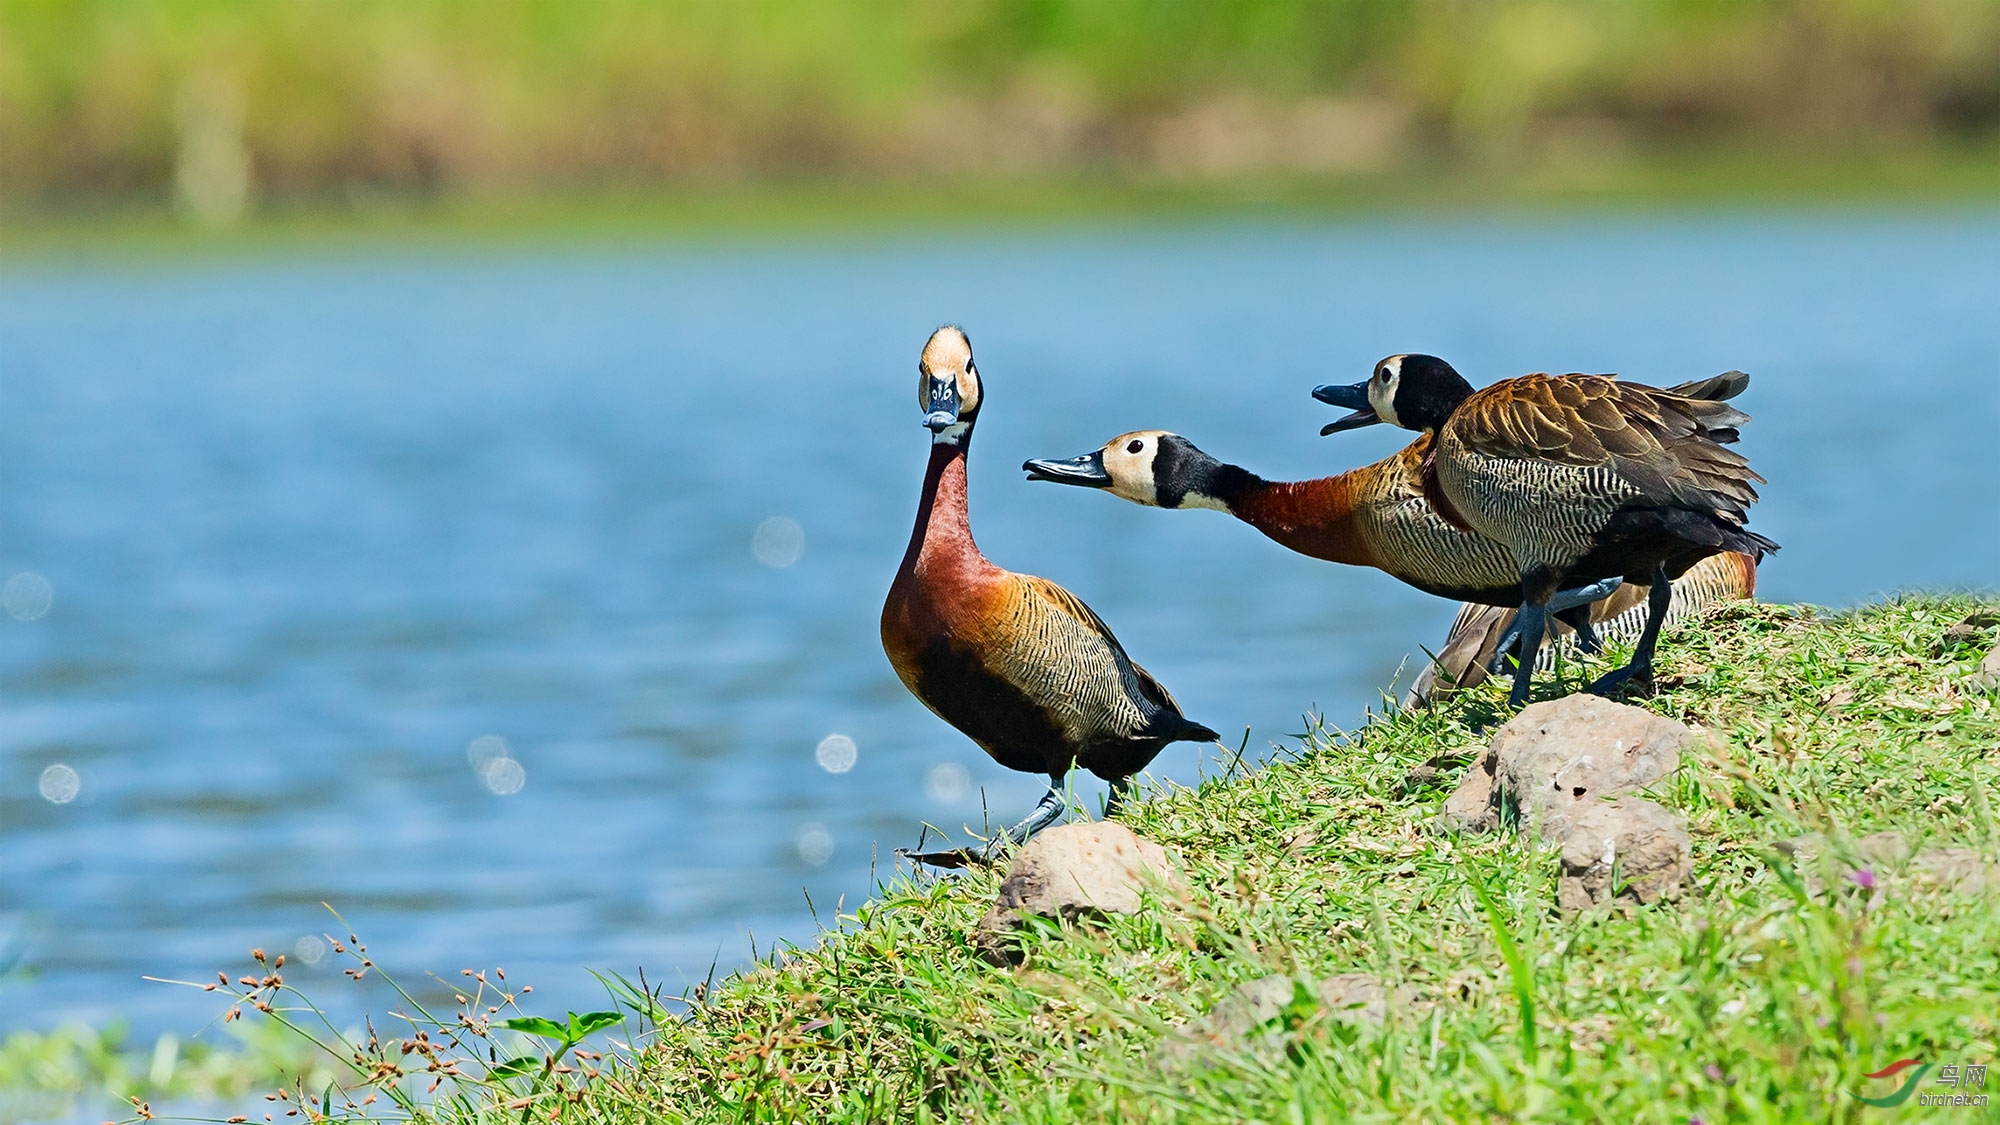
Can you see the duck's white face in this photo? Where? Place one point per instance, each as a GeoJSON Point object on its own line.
{"type": "Point", "coordinates": [1382, 388]}
{"type": "Point", "coordinates": [948, 385]}
{"type": "Point", "coordinates": [1128, 461]}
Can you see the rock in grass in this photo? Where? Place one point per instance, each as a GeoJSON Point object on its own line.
{"type": "Point", "coordinates": [1556, 759]}
{"type": "Point", "coordinates": [1435, 769]}
{"type": "Point", "coordinates": [1961, 870]}
{"type": "Point", "coordinates": [1475, 806]}
{"type": "Point", "coordinates": [1884, 855]}
{"type": "Point", "coordinates": [1629, 849]}
{"type": "Point", "coordinates": [1988, 676]}
{"type": "Point", "coordinates": [1566, 767]}
{"type": "Point", "coordinates": [1963, 634]}
{"type": "Point", "coordinates": [1253, 1017]}
{"type": "Point", "coordinates": [1861, 863]}
{"type": "Point", "coordinates": [1071, 872]}
{"type": "Point", "coordinates": [1877, 849]}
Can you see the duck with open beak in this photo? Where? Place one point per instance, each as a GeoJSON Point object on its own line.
{"type": "Point", "coordinates": [1347, 396]}
{"type": "Point", "coordinates": [1582, 477]}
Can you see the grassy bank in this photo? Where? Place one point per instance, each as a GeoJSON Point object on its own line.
{"type": "Point", "coordinates": [1760, 996]}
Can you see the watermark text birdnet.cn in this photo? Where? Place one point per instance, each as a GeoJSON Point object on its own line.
{"type": "Point", "coordinates": [1963, 1085]}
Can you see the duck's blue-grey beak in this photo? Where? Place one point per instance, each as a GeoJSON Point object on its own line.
{"type": "Point", "coordinates": [1087, 470]}
{"type": "Point", "coordinates": [1353, 396]}
{"type": "Point", "coordinates": [942, 404]}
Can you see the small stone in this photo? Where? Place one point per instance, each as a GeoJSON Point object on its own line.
{"type": "Point", "coordinates": [1867, 862]}
{"type": "Point", "coordinates": [1474, 805]}
{"type": "Point", "coordinates": [1357, 996]}
{"type": "Point", "coordinates": [1556, 759]}
{"type": "Point", "coordinates": [1881, 849]}
{"type": "Point", "coordinates": [1072, 872]}
{"type": "Point", "coordinates": [1957, 869]}
{"type": "Point", "coordinates": [1958, 636]}
{"type": "Point", "coordinates": [1884, 849]}
{"type": "Point", "coordinates": [1988, 676]}
{"type": "Point", "coordinates": [1244, 1019]}
{"type": "Point", "coordinates": [1431, 772]}
{"type": "Point", "coordinates": [1644, 845]}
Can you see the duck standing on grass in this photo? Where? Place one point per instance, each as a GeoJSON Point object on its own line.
{"type": "Point", "coordinates": [1017, 663]}
{"type": "Point", "coordinates": [1582, 477]}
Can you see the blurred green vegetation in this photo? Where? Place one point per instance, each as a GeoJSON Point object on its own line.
{"type": "Point", "coordinates": [220, 108]}
{"type": "Point", "coordinates": [75, 1072]}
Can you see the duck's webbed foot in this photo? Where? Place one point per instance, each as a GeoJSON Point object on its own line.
{"type": "Point", "coordinates": [1510, 639]}
{"type": "Point", "coordinates": [1610, 683]}
{"type": "Point", "coordinates": [1047, 812]}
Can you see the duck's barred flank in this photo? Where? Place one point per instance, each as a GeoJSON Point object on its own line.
{"type": "Point", "coordinates": [1462, 659]}
{"type": "Point", "coordinates": [1420, 546]}
{"type": "Point", "coordinates": [1058, 652]}
{"type": "Point", "coordinates": [1551, 512]}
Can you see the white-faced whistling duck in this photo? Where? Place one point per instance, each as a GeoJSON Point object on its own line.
{"type": "Point", "coordinates": [1017, 663]}
{"type": "Point", "coordinates": [1583, 477]}
{"type": "Point", "coordinates": [1374, 516]}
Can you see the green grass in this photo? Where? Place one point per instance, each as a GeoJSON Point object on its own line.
{"type": "Point", "coordinates": [1758, 997]}
{"type": "Point", "coordinates": [1845, 726]}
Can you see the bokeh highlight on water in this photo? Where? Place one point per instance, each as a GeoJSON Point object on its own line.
{"type": "Point", "coordinates": [521, 603]}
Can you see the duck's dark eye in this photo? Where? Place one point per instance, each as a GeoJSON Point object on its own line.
{"type": "Point", "coordinates": [1382, 375]}
{"type": "Point", "coordinates": [1135, 446]}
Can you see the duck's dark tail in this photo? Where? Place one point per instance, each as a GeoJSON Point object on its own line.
{"type": "Point", "coordinates": [1715, 388]}
{"type": "Point", "coordinates": [1747, 542]}
{"type": "Point", "coordinates": [1180, 728]}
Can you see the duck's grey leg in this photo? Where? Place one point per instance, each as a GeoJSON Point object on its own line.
{"type": "Point", "coordinates": [1533, 623]}
{"type": "Point", "coordinates": [1583, 595]}
{"type": "Point", "coordinates": [1578, 618]}
{"type": "Point", "coordinates": [1658, 597]}
{"type": "Point", "coordinates": [1586, 637]}
{"type": "Point", "coordinates": [1121, 787]}
{"type": "Point", "coordinates": [1050, 809]}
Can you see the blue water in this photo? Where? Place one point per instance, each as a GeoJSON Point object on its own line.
{"type": "Point", "coordinates": [310, 527]}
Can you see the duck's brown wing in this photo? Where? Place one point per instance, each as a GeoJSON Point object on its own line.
{"type": "Point", "coordinates": [1669, 448]}
{"type": "Point", "coordinates": [1715, 388]}
{"type": "Point", "coordinates": [1064, 602]}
